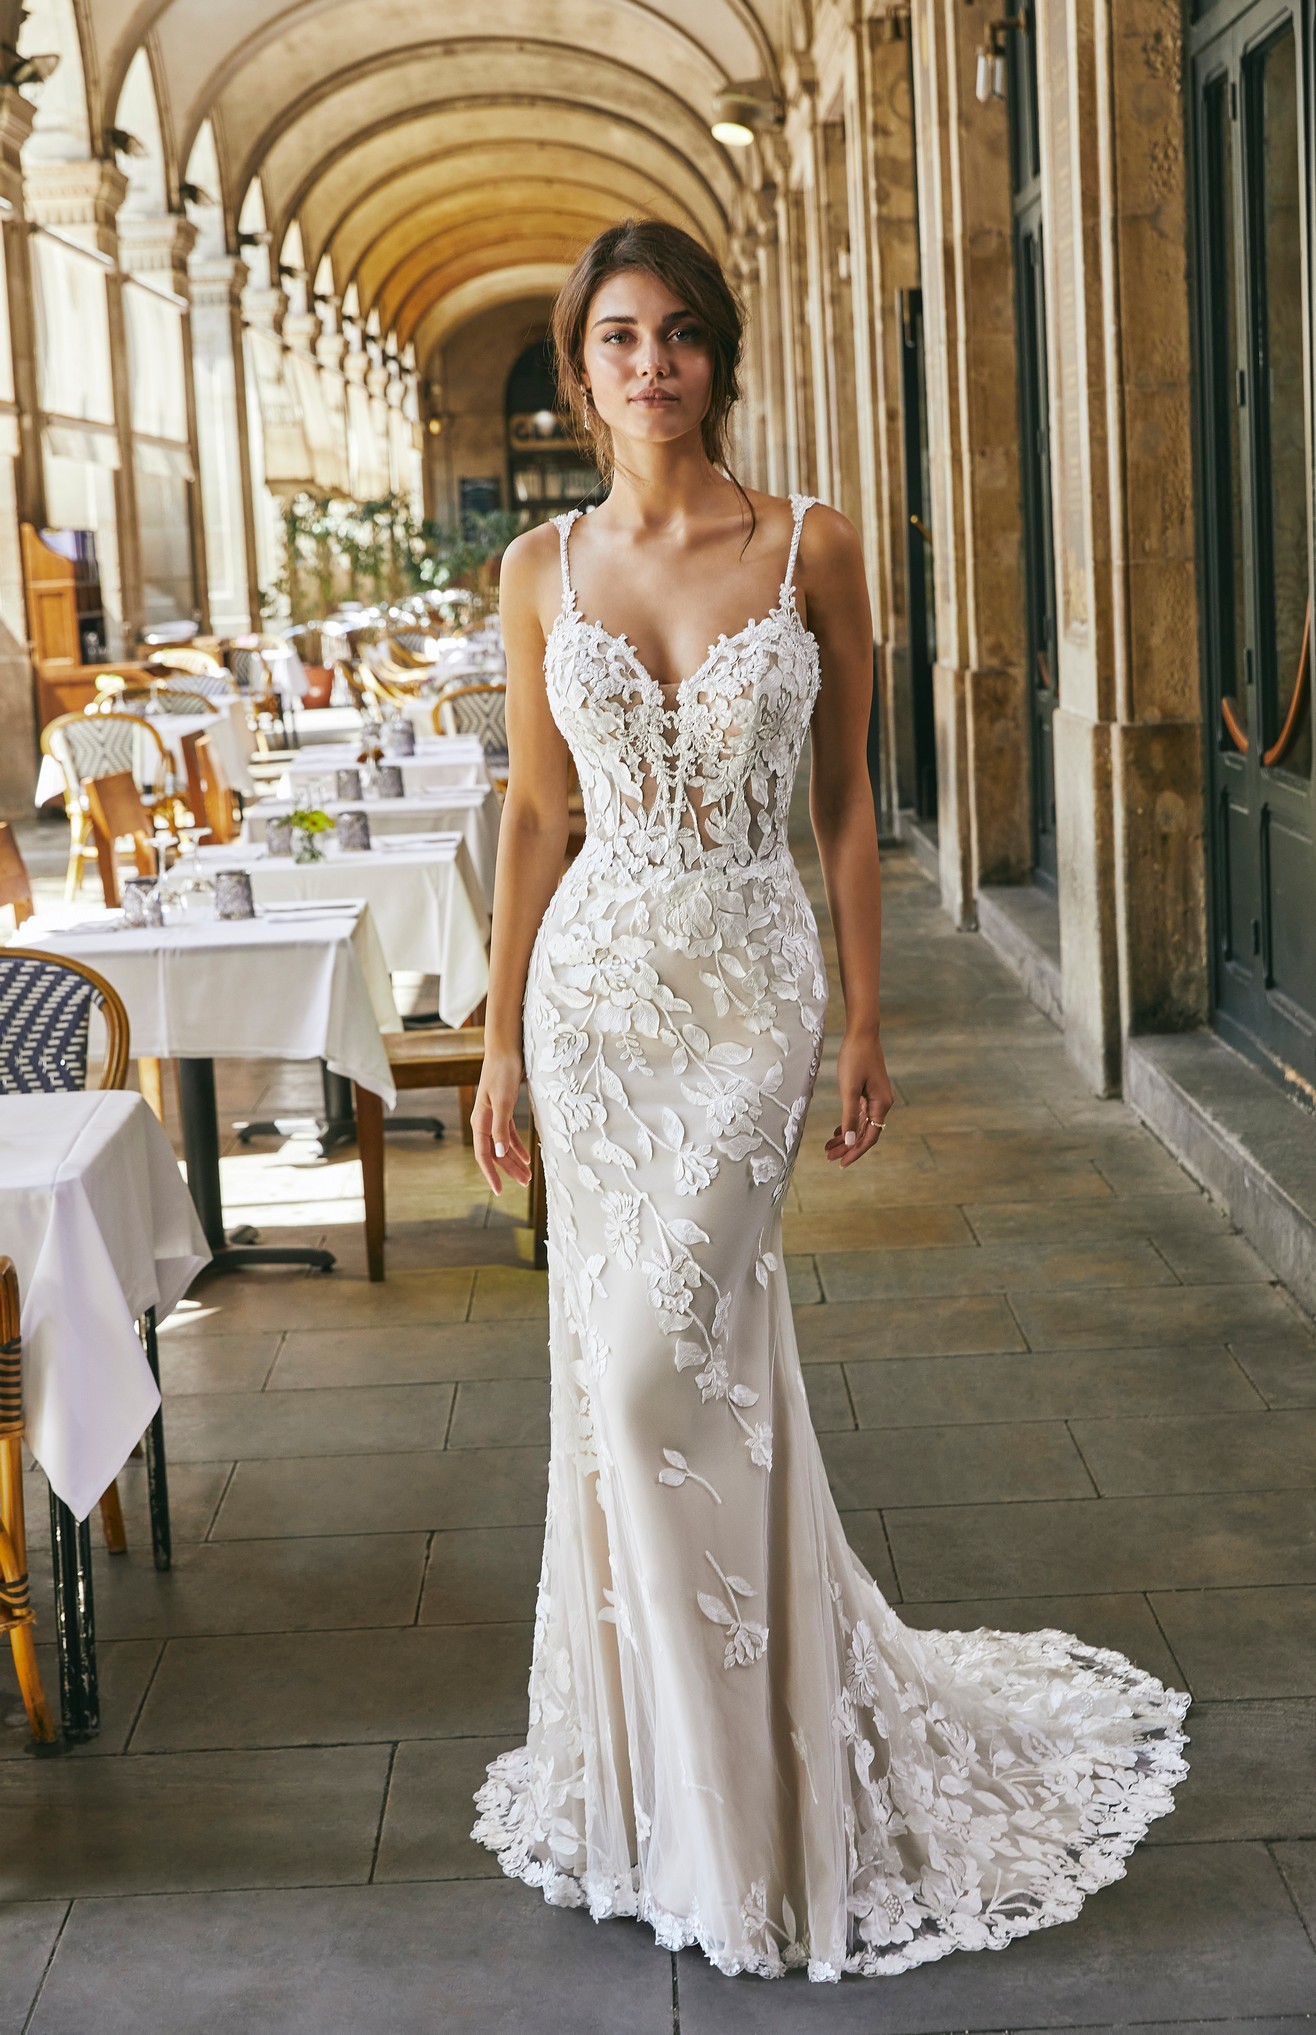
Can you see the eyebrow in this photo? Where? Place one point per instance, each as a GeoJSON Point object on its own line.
{"type": "Point", "coordinates": [629, 317]}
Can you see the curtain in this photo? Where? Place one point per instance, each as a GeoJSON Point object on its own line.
{"type": "Point", "coordinates": [155, 363]}
{"type": "Point", "coordinates": [317, 421]}
{"type": "Point", "coordinates": [73, 331]}
{"type": "Point", "coordinates": [288, 461]}
{"type": "Point", "coordinates": [370, 469]}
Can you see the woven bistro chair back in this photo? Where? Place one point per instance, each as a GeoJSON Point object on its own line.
{"type": "Point", "coordinates": [216, 688]}
{"type": "Point", "coordinates": [479, 709]}
{"type": "Point", "coordinates": [15, 1596]}
{"type": "Point", "coordinates": [192, 663]}
{"type": "Point", "coordinates": [174, 699]}
{"type": "Point", "coordinates": [46, 1002]}
{"type": "Point", "coordinates": [15, 883]}
{"type": "Point", "coordinates": [98, 745]}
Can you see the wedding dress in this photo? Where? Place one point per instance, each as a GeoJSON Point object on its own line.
{"type": "Point", "coordinates": [731, 1734]}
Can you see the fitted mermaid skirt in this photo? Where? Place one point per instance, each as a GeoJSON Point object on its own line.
{"type": "Point", "coordinates": [731, 1734]}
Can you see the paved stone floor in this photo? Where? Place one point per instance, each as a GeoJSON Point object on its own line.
{"type": "Point", "coordinates": [1052, 1387]}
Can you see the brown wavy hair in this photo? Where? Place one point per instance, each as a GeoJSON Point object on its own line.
{"type": "Point", "coordinates": [690, 273]}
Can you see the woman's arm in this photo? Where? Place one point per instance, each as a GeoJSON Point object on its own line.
{"type": "Point", "coordinates": [532, 841]}
{"type": "Point", "coordinates": [841, 807]}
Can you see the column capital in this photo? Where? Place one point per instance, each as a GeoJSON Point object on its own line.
{"type": "Point", "coordinates": [330, 348]}
{"type": "Point", "coordinates": [157, 246]}
{"type": "Point", "coordinates": [216, 282]}
{"type": "Point", "coordinates": [16, 117]}
{"type": "Point", "coordinates": [264, 307]}
{"type": "Point", "coordinates": [356, 365]}
{"type": "Point", "coordinates": [301, 329]}
{"type": "Point", "coordinates": [82, 199]}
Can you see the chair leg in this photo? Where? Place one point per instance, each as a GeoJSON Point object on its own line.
{"type": "Point", "coordinates": [538, 1199]}
{"type": "Point", "coordinates": [116, 1538]}
{"type": "Point", "coordinates": [150, 1079]}
{"type": "Point", "coordinates": [40, 1721]}
{"type": "Point", "coordinates": [370, 1149]}
{"type": "Point", "coordinates": [15, 1608]}
{"type": "Point", "coordinates": [77, 854]}
{"type": "Point", "coordinates": [466, 1104]}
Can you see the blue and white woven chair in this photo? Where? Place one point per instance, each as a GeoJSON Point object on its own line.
{"type": "Point", "coordinates": [480, 710]}
{"type": "Point", "coordinates": [101, 745]}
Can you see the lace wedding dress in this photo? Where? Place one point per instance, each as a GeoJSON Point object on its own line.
{"type": "Point", "coordinates": [731, 1734]}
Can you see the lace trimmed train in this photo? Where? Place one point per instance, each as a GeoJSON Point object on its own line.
{"type": "Point", "coordinates": [732, 1736]}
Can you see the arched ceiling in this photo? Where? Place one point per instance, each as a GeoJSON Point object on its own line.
{"type": "Point", "coordinates": [447, 154]}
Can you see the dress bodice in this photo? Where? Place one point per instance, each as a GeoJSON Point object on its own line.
{"type": "Point", "coordinates": [705, 780]}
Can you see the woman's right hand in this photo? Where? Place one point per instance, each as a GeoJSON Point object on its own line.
{"type": "Point", "coordinates": [498, 1146]}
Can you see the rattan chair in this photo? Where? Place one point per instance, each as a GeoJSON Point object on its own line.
{"type": "Point", "coordinates": [97, 745]}
{"type": "Point", "coordinates": [15, 883]}
{"type": "Point", "coordinates": [46, 1002]}
{"type": "Point", "coordinates": [118, 814]}
{"type": "Point", "coordinates": [480, 709]}
{"type": "Point", "coordinates": [214, 807]}
{"type": "Point", "coordinates": [15, 1599]}
{"type": "Point", "coordinates": [192, 664]}
{"type": "Point", "coordinates": [168, 698]}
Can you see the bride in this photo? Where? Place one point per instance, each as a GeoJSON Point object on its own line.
{"type": "Point", "coordinates": [731, 1734]}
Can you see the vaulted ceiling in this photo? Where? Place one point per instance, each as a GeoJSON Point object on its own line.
{"type": "Point", "coordinates": [441, 153]}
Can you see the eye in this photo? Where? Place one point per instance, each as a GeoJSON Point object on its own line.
{"type": "Point", "coordinates": [609, 337]}
{"type": "Point", "coordinates": [691, 332]}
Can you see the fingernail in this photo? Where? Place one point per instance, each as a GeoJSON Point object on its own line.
{"type": "Point", "coordinates": [850, 1137]}
{"type": "Point", "coordinates": [500, 1151]}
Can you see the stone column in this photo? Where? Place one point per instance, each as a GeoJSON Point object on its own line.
{"type": "Point", "coordinates": [81, 200]}
{"type": "Point", "coordinates": [968, 307]}
{"type": "Point", "coordinates": [223, 446]}
{"type": "Point", "coordinates": [330, 347]}
{"type": "Point", "coordinates": [22, 495]}
{"type": "Point", "coordinates": [768, 262]}
{"type": "Point", "coordinates": [158, 249]}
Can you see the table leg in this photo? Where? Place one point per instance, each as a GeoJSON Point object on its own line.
{"type": "Point", "coordinates": [157, 1473]}
{"type": "Point", "coordinates": [75, 1623]}
{"type": "Point", "coordinates": [196, 1088]}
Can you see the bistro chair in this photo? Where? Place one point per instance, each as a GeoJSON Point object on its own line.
{"type": "Point", "coordinates": [477, 709]}
{"type": "Point", "coordinates": [264, 701]}
{"type": "Point", "coordinates": [118, 814]}
{"type": "Point", "coordinates": [432, 1059]}
{"type": "Point", "coordinates": [97, 745]}
{"type": "Point", "coordinates": [168, 698]}
{"type": "Point", "coordinates": [192, 664]}
{"type": "Point", "coordinates": [15, 883]}
{"type": "Point", "coordinates": [216, 688]}
{"type": "Point", "coordinates": [46, 1002]}
{"type": "Point", "coordinates": [210, 795]}
{"type": "Point", "coordinates": [15, 1600]}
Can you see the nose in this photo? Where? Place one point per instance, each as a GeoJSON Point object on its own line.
{"type": "Point", "coordinates": [653, 361]}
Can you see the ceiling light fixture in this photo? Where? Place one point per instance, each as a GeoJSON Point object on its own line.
{"type": "Point", "coordinates": [744, 111]}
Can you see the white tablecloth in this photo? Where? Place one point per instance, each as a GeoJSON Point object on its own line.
{"type": "Point", "coordinates": [471, 810]}
{"type": "Point", "coordinates": [313, 987]}
{"type": "Point", "coordinates": [424, 898]}
{"type": "Point", "coordinates": [100, 1227]}
{"type": "Point", "coordinates": [440, 760]}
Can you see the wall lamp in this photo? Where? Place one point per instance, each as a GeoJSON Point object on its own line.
{"type": "Point", "coordinates": [18, 70]}
{"type": "Point", "coordinates": [744, 111]}
{"type": "Point", "coordinates": [192, 194]}
{"type": "Point", "coordinates": [124, 143]}
{"type": "Point", "coordinates": [991, 78]}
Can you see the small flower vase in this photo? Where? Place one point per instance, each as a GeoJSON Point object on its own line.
{"type": "Point", "coordinates": [233, 895]}
{"type": "Point", "coordinates": [278, 837]}
{"type": "Point", "coordinates": [352, 833]}
{"type": "Point", "coordinates": [305, 847]}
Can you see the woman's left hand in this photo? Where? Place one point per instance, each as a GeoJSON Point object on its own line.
{"type": "Point", "coordinates": [866, 1096]}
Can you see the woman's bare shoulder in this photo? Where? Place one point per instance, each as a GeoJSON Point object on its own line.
{"type": "Point", "coordinates": [529, 577]}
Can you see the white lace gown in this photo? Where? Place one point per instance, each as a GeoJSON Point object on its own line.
{"type": "Point", "coordinates": [732, 1736]}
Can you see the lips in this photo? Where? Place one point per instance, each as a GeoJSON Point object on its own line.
{"type": "Point", "coordinates": [651, 399]}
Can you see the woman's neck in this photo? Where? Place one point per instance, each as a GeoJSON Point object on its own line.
{"type": "Point", "coordinates": [656, 486]}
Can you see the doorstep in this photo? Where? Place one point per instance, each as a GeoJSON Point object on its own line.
{"type": "Point", "coordinates": [1021, 922]}
{"type": "Point", "coordinates": [1251, 1146]}
{"type": "Point", "coordinates": [920, 837]}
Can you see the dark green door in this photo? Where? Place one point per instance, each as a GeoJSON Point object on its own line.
{"type": "Point", "coordinates": [1253, 173]}
{"type": "Point", "coordinates": [919, 582]}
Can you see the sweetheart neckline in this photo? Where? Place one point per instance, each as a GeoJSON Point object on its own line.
{"type": "Point", "coordinates": [783, 609]}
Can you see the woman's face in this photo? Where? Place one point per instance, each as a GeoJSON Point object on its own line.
{"type": "Point", "coordinates": [647, 360]}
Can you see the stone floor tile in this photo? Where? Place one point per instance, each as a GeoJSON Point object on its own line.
{"type": "Point", "coordinates": [1221, 1260]}
{"type": "Point", "coordinates": [1151, 1315]}
{"type": "Point", "coordinates": [1098, 1219]}
{"type": "Point", "coordinates": [29, 1931]}
{"type": "Point", "coordinates": [1054, 1269]}
{"type": "Point", "coordinates": [1195, 1933]}
{"type": "Point", "coordinates": [317, 1688]}
{"type": "Point", "coordinates": [876, 1229]}
{"type": "Point", "coordinates": [315, 1361]}
{"type": "Point", "coordinates": [829, 1401]}
{"type": "Point", "coordinates": [491, 1413]}
{"type": "Point", "coordinates": [1105, 1544]}
{"type": "Point", "coordinates": [1297, 1862]}
{"type": "Point", "coordinates": [957, 1326]}
{"type": "Point", "coordinates": [1283, 1370]}
{"type": "Point", "coordinates": [384, 1494]}
{"type": "Point", "coordinates": [430, 1811]}
{"type": "Point", "coordinates": [1143, 1167]}
{"type": "Point", "coordinates": [124, 1672]}
{"type": "Point", "coordinates": [1206, 1452]}
{"type": "Point", "coordinates": [948, 1465]}
{"type": "Point", "coordinates": [503, 1294]}
{"type": "Point", "coordinates": [216, 1363]}
{"type": "Point", "coordinates": [916, 1391]}
{"type": "Point", "coordinates": [440, 1959]}
{"type": "Point", "coordinates": [1123, 1623]}
{"type": "Point", "coordinates": [1251, 1774]}
{"type": "Point", "coordinates": [1239, 1643]}
{"type": "Point", "coordinates": [257, 1586]}
{"type": "Point", "coordinates": [195, 1490]}
{"type": "Point", "coordinates": [802, 1280]}
{"type": "Point", "coordinates": [867, 1541]}
{"type": "Point", "coordinates": [188, 1822]}
{"type": "Point", "coordinates": [224, 1426]}
{"type": "Point", "coordinates": [482, 1575]}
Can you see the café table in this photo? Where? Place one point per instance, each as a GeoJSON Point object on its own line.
{"type": "Point", "coordinates": [439, 761]}
{"type": "Point", "coordinates": [471, 810]}
{"type": "Point", "coordinates": [426, 902]}
{"type": "Point", "coordinates": [103, 1236]}
{"type": "Point", "coordinates": [289, 984]}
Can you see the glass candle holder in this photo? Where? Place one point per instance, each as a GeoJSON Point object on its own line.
{"type": "Point", "coordinates": [352, 833]}
{"type": "Point", "coordinates": [142, 903]}
{"type": "Point", "coordinates": [400, 738]}
{"type": "Point", "coordinates": [347, 784]}
{"type": "Point", "coordinates": [388, 781]}
{"type": "Point", "coordinates": [278, 837]}
{"type": "Point", "coordinates": [233, 894]}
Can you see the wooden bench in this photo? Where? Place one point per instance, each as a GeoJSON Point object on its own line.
{"type": "Point", "coordinates": [431, 1059]}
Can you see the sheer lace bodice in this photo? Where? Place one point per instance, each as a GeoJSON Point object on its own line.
{"type": "Point", "coordinates": [731, 1734]}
